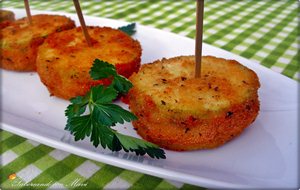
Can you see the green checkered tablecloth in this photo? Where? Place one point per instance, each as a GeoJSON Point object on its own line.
{"type": "Point", "coordinates": [264, 31]}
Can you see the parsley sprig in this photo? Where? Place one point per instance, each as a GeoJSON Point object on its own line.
{"type": "Point", "coordinates": [128, 29]}
{"type": "Point", "coordinates": [94, 115]}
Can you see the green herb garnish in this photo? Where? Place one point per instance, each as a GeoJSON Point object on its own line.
{"type": "Point", "coordinates": [128, 29]}
{"type": "Point", "coordinates": [94, 115]}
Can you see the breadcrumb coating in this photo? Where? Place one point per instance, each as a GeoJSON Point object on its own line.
{"type": "Point", "coordinates": [65, 59]}
{"type": "Point", "coordinates": [20, 40]}
{"type": "Point", "coordinates": [180, 112]}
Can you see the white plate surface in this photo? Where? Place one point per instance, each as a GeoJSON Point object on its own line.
{"type": "Point", "coordinates": [265, 155]}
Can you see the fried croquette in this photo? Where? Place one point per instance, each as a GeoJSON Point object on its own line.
{"type": "Point", "coordinates": [65, 59]}
{"type": "Point", "coordinates": [20, 40]}
{"type": "Point", "coordinates": [179, 112]}
{"type": "Point", "coordinates": [6, 18]}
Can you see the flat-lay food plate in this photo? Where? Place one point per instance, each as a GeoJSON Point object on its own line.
{"type": "Point", "coordinates": [265, 155]}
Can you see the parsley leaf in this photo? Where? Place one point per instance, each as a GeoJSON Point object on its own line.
{"type": "Point", "coordinates": [102, 70]}
{"type": "Point", "coordinates": [77, 107]}
{"type": "Point", "coordinates": [121, 84]}
{"type": "Point", "coordinates": [128, 29]}
{"type": "Point", "coordinates": [94, 115]}
{"type": "Point", "coordinates": [140, 147]}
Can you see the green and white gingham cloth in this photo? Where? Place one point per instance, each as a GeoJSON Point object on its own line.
{"type": "Point", "coordinates": [265, 32]}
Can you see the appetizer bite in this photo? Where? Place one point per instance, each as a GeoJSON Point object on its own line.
{"type": "Point", "coordinates": [179, 112]}
{"type": "Point", "coordinates": [65, 59]}
{"type": "Point", "coordinates": [20, 40]}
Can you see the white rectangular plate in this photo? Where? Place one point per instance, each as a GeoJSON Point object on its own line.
{"type": "Point", "coordinates": [265, 155]}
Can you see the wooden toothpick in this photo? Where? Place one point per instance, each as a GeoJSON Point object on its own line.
{"type": "Point", "coordinates": [27, 8]}
{"type": "Point", "coordinates": [82, 22]}
{"type": "Point", "coordinates": [198, 40]}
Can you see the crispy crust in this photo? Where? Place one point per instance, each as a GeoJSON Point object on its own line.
{"type": "Point", "coordinates": [64, 60]}
{"type": "Point", "coordinates": [178, 112]}
{"type": "Point", "coordinates": [5, 24]}
{"type": "Point", "coordinates": [20, 41]}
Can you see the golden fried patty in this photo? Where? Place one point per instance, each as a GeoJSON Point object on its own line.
{"type": "Point", "coordinates": [180, 112]}
{"type": "Point", "coordinates": [20, 40]}
{"type": "Point", "coordinates": [64, 60]}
